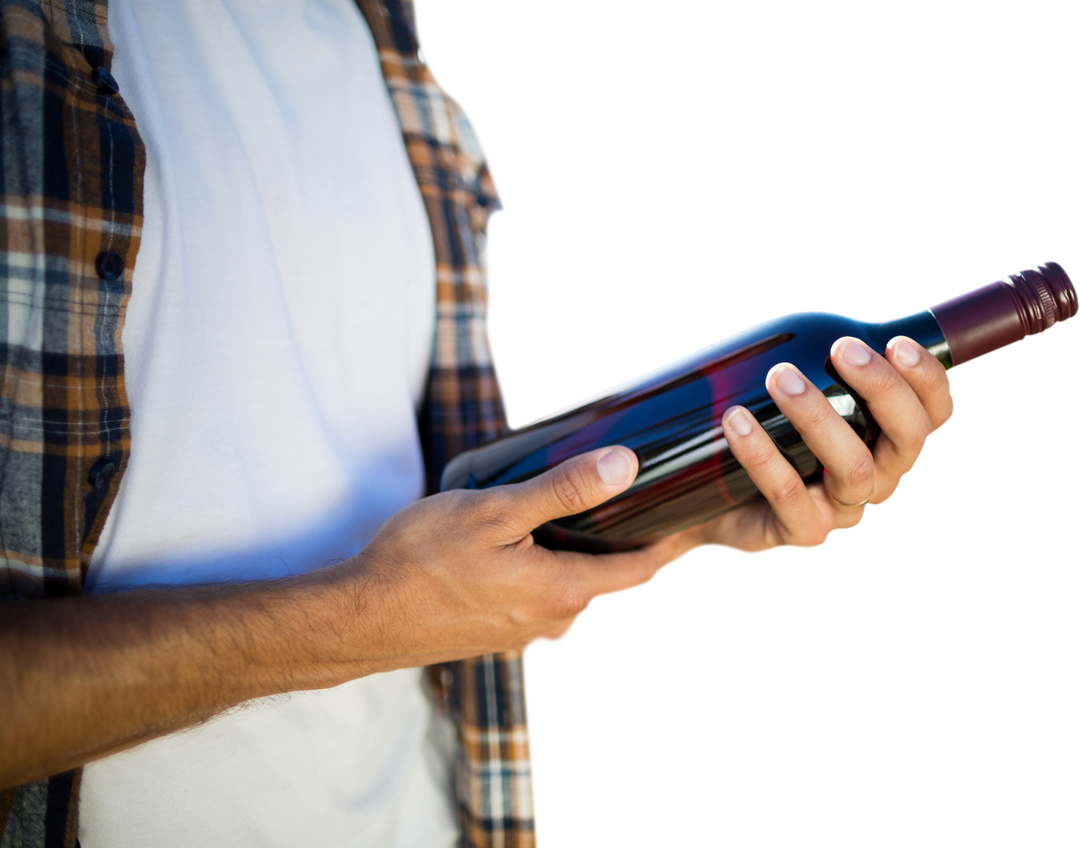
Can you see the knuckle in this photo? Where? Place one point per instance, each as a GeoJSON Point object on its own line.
{"type": "Point", "coordinates": [759, 453]}
{"type": "Point", "coordinates": [885, 383]}
{"type": "Point", "coordinates": [924, 428]}
{"type": "Point", "coordinates": [914, 437]}
{"type": "Point", "coordinates": [567, 603]}
{"type": "Point", "coordinates": [939, 398]}
{"type": "Point", "coordinates": [489, 510]}
{"type": "Point", "coordinates": [861, 470]}
{"type": "Point", "coordinates": [454, 499]}
{"type": "Point", "coordinates": [578, 603]}
{"type": "Point", "coordinates": [459, 500]}
{"type": "Point", "coordinates": [814, 534]}
{"type": "Point", "coordinates": [819, 415]}
{"type": "Point", "coordinates": [789, 493]}
{"type": "Point", "coordinates": [571, 490]}
{"type": "Point", "coordinates": [949, 412]}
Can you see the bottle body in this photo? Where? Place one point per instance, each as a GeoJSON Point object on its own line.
{"type": "Point", "coordinates": [671, 419]}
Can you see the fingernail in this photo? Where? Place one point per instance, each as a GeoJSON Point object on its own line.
{"type": "Point", "coordinates": [905, 352]}
{"type": "Point", "coordinates": [788, 381]}
{"type": "Point", "coordinates": [738, 421]}
{"type": "Point", "coordinates": [853, 353]}
{"type": "Point", "coordinates": [615, 468]}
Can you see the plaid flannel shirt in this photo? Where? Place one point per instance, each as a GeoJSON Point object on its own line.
{"type": "Point", "coordinates": [71, 172]}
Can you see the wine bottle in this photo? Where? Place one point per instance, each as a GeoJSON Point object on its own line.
{"type": "Point", "coordinates": [671, 418]}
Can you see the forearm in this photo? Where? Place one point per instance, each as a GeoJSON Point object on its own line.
{"type": "Point", "coordinates": [84, 677]}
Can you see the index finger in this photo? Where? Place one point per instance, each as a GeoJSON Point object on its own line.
{"type": "Point", "coordinates": [602, 574]}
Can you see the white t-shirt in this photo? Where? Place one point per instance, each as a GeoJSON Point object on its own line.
{"type": "Point", "coordinates": [276, 345]}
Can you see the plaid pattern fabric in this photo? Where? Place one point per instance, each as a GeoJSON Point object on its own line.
{"type": "Point", "coordinates": [466, 405]}
{"type": "Point", "coordinates": [72, 169]}
{"type": "Point", "coordinates": [71, 174]}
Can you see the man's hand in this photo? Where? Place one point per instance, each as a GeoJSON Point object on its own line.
{"type": "Point", "coordinates": [458, 575]}
{"type": "Point", "coordinates": [452, 576]}
{"type": "Point", "coordinates": [907, 392]}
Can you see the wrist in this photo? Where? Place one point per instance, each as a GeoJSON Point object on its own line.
{"type": "Point", "coordinates": [310, 632]}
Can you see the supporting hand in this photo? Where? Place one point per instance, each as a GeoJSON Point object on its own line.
{"type": "Point", "coordinates": [907, 392]}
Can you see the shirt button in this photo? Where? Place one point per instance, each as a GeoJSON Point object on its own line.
{"type": "Point", "coordinates": [105, 81]}
{"type": "Point", "coordinates": [110, 265]}
{"type": "Point", "coordinates": [101, 473]}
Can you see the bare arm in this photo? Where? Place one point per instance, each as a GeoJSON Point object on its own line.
{"type": "Point", "coordinates": [451, 576]}
{"type": "Point", "coordinates": [84, 677]}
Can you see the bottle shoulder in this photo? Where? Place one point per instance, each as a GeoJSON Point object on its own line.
{"type": "Point", "coordinates": [746, 341]}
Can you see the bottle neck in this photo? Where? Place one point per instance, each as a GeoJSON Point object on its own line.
{"type": "Point", "coordinates": [1004, 312]}
{"type": "Point", "coordinates": [922, 328]}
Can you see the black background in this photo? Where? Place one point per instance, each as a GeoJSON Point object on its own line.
{"type": "Point", "coordinates": [671, 180]}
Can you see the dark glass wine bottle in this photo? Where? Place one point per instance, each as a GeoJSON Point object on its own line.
{"type": "Point", "coordinates": [671, 418]}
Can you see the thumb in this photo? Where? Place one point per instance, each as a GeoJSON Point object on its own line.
{"type": "Point", "coordinates": [571, 487]}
